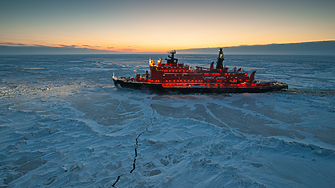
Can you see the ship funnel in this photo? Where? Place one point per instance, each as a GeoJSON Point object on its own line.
{"type": "Point", "coordinates": [252, 77]}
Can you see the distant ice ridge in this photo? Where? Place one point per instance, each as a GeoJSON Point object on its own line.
{"type": "Point", "coordinates": [62, 128]}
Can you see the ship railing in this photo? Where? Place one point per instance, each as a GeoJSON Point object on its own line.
{"type": "Point", "coordinates": [202, 68]}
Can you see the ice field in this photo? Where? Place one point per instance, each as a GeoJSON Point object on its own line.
{"type": "Point", "coordinates": [64, 124]}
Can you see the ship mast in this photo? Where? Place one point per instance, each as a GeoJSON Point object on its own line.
{"type": "Point", "coordinates": [219, 62]}
{"type": "Point", "coordinates": [172, 60]}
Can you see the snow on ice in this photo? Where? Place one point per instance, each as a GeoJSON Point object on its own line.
{"type": "Point", "coordinates": [64, 124]}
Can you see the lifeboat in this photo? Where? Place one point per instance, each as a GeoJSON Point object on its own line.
{"type": "Point", "coordinates": [181, 78]}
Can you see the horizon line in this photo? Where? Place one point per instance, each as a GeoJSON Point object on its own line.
{"type": "Point", "coordinates": [302, 48]}
{"type": "Point", "coordinates": [87, 47]}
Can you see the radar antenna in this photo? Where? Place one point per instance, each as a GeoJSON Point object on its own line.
{"type": "Point", "coordinates": [172, 60]}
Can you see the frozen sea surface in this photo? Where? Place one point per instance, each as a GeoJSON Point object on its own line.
{"type": "Point", "coordinates": [64, 124]}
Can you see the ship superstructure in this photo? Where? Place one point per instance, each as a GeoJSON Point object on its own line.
{"type": "Point", "coordinates": [179, 77]}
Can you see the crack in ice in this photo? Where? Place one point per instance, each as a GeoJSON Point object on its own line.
{"type": "Point", "coordinates": [134, 166]}
{"type": "Point", "coordinates": [117, 180]}
{"type": "Point", "coordinates": [135, 157]}
{"type": "Point", "coordinates": [134, 163]}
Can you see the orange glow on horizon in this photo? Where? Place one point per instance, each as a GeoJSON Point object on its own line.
{"type": "Point", "coordinates": [142, 49]}
{"type": "Point", "coordinates": [159, 26]}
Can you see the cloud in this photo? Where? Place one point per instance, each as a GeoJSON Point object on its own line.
{"type": "Point", "coordinates": [41, 50]}
{"type": "Point", "coordinates": [11, 44]}
{"type": "Point", "coordinates": [69, 46]}
{"type": "Point", "coordinates": [11, 48]}
{"type": "Point", "coordinates": [127, 49]}
{"type": "Point", "coordinates": [36, 45]}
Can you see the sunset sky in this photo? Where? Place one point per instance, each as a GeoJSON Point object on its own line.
{"type": "Point", "coordinates": [159, 26]}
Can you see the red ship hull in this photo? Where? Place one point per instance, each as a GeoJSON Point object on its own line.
{"type": "Point", "coordinates": [211, 88]}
